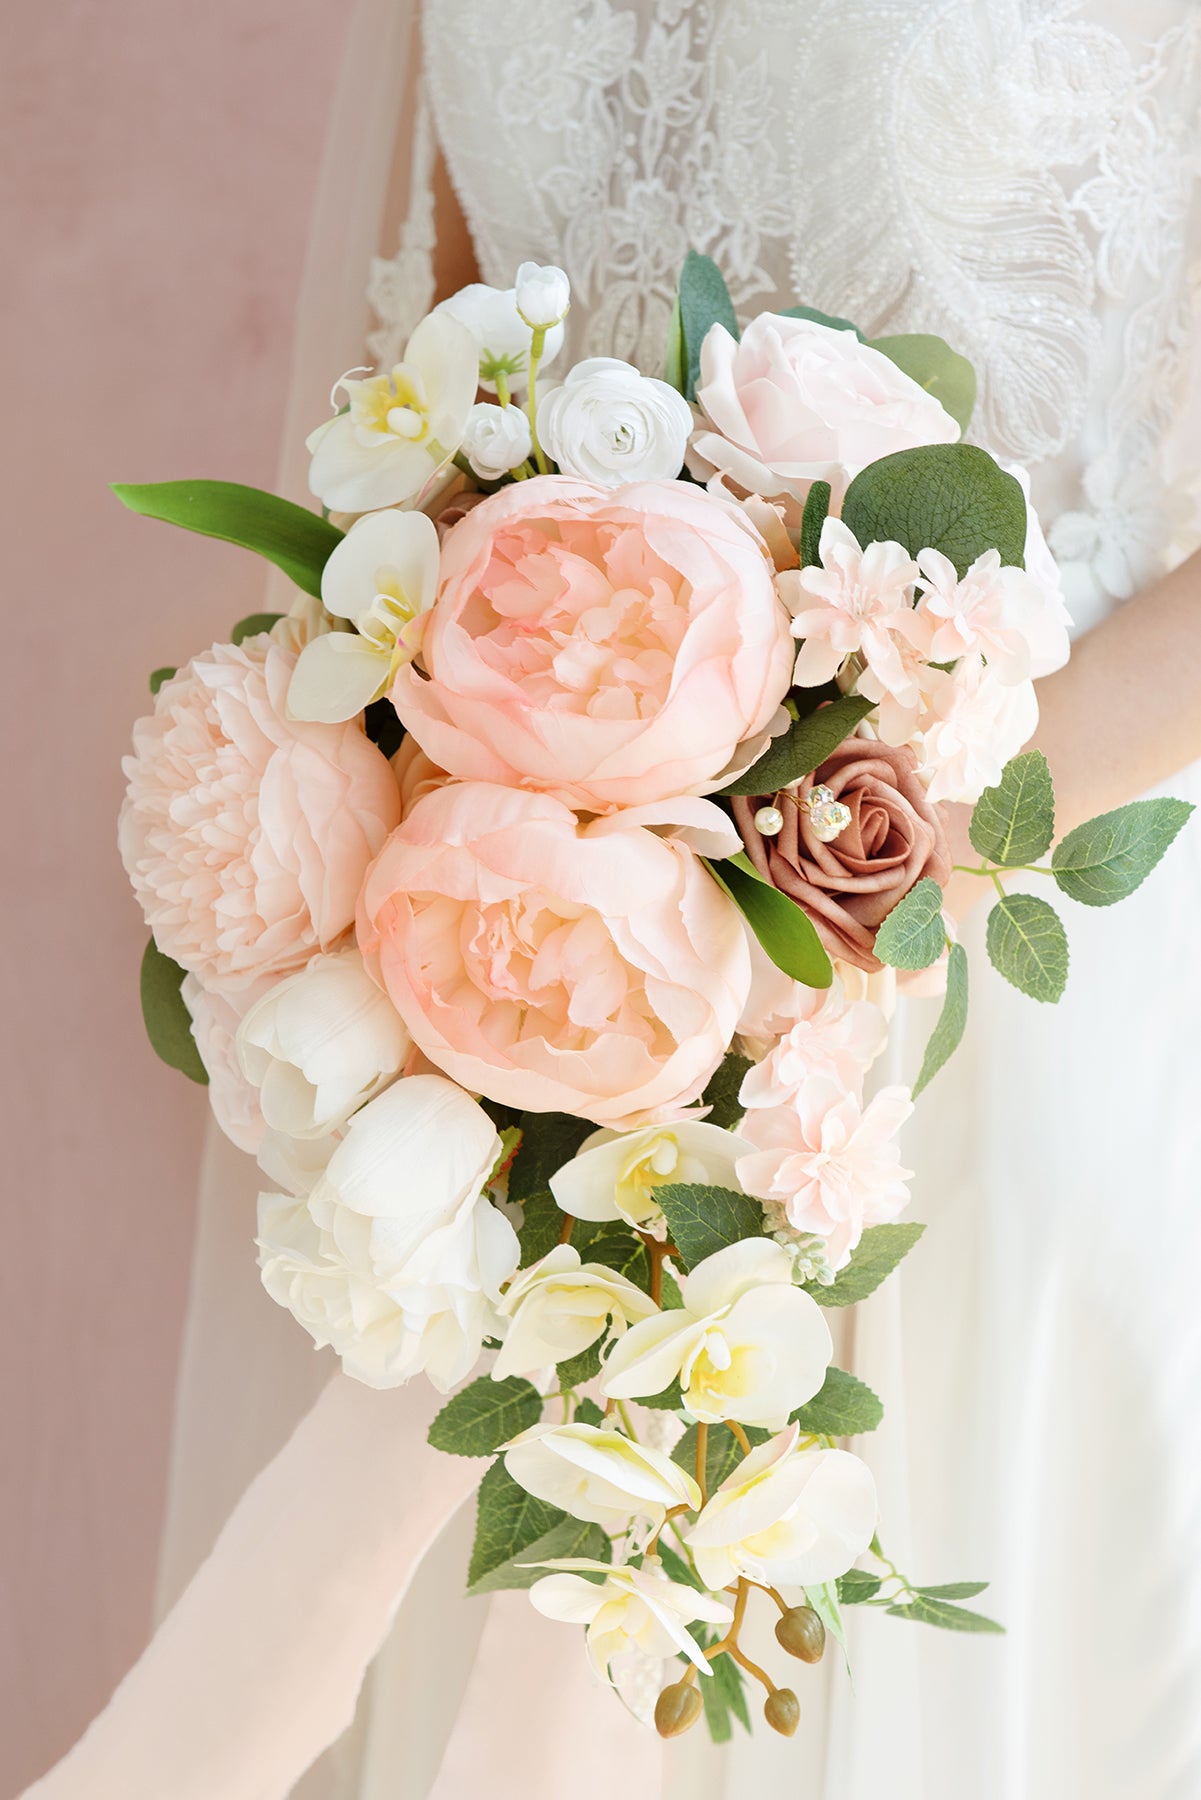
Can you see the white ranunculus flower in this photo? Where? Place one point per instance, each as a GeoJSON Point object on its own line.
{"type": "Point", "coordinates": [615, 1173]}
{"type": "Point", "coordinates": [560, 1306]}
{"type": "Point", "coordinates": [631, 1609]}
{"type": "Point", "coordinates": [786, 1517]}
{"type": "Point", "coordinates": [599, 1475]}
{"type": "Point", "coordinates": [382, 577]}
{"type": "Point", "coordinates": [496, 440]}
{"type": "Point", "coordinates": [611, 425]}
{"type": "Point", "coordinates": [543, 294]}
{"type": "Point", "coordinates": [746, 1345]}
{"type": "Point", "coordinates": [320, 1044]}
{"type": "Point", "coordinates": [402, 427]}
{"type": "Point", "coordinates": [396, 1258]}
{"type": "Point", "coordinates": [501, 335]}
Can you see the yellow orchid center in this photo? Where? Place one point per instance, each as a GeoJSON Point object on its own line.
{"type": "Point", "coordinates": [393, 405]}
{"type": "Point", "coordinates": [655, 1161]}
{"type": "Point", "coordinates": [718, 1372]}
{"type": "Point", "coordinates": [384, 621]}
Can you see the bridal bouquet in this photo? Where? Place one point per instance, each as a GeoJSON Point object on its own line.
{"type": "Point", "coordinates": [532, 896]}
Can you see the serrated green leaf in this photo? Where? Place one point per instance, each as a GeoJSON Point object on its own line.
{"type": "Point", "coordinates": [953, 1590]}
{"type": "Point", "coordinates": [944, 1615]}
{"type": "Point", "coordinates": [1027, 944]}
{"type": "Point", "coordinates": [587, 1412]}
{"type": "Point", "coordinates": [932, 363]}
{"type": "Point", "coordinates": [875, 1256]}
{"type": "Point", "coordinates": [952, 1020]}
{"type": "Point", "coordinates": [703, 1220]}
{"type": "Point", "coordinates": [508, 1522]}
{"type": "Point", "coordinates": [721, 1095]}
{"type": "Point", "coordinates": [784, 931]}
{"type": "Point", "coordinates": [948, 497]}
{"type": "Point", "coordinates": [704, 301]}
{"type": "Point", "coordinates": [843, 1407]}
{"type": "Point", "coordinates": [824, 1601]}
{"type": "Point", "coordinates": [670, 1400]}
{"type": "Point", "coordinates": [574, 1371]}
{"type": "Point", "coordinates": [571, 1537]}
{"type": "Point", "coordinates": [820, 318]}
{"type": "Point", "coordinates": [485, 1415]}
{"type": "Point", "coordinates": [677, 1569]}
{"type": "Point", "coordinates": [913, 935]}
{"type": "Point", "coordinates": [857, 1586]}
{"type": "Point", "coordinates": [159, 676]}
{"type": "Point", "coordinates": [817, 506]}
{"type": "Point", "coordinates": [1014, 822]}
{"type": "Point", "coordinates": [1105, 859]}
{"type": "Point", "coordinates": [803, 747]}
{"type": "Point", "coordinates": [253, 625]}
{"type": "Point", "coordinates": [168, 1021]}
{"type": "Point", "coordinates": [295, 540]}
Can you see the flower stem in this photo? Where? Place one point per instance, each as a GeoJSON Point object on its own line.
{"type": "Point", "coordinates": [531, 400]}
{"type": "Point", "coordinates": [702, 1452]}
{"type": "Point", "coordinates": [566, 1229]}
{"type": "Point", "coordinates": [743, 1440]}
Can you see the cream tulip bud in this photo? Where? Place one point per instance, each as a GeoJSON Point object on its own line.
{"type": "Point", "coordinates": [496, 440]}
{"type": "Point", "coordinates": [543, 295]}
{"type": "Point", "coordinates": [599, 1475]}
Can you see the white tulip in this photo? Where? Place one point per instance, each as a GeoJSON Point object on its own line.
{"type": "Point", "coordinates": [382, 577]}
{"type": "Point", "coordinates": [562, 1305]}
{"type": "Point", "coordinates": [631, 1609]}
{"type": "Point", "coordinates": [496, 440]}
{"type": "Point", "coordinates": [599, 1475]}
{"type": "Point", "coordinates": [746, 1345]}
{"type": "Point", "coordinates": [609, 424]}
{"type": "Point", "coordinates": [321, 1043]}
{"type": "Point", "coordinates": [396, 1258]}
{"type": "Point", "coordinates": [402, 427]}
{"type": "Point", "coordinates": [786, 1517]}
{"type": "Point", "coordinates": [543, 294]}
{"type": "Point", "coordinates": [501, 335]}
{"type": "Point", "coordinates": [615, 1173]}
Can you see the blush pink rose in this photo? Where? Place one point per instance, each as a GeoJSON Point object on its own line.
{"type": "Point", "coordinates": [796, 402]}
{"type": "Point", "coordinates": [595, 969]}
{"type": "Point", "coordinates": [609, 646]}
{"type": "Point", "coordinates": [247, 834]}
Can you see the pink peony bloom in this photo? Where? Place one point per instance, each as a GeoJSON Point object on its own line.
{"type": "Point", "coordinates": [554, 965]}
{"type": "Point", "coordinates": [215, 1021]}
{"type": "Point", "coordinates": [246, 834]}
{"type": "Point", "coordinates": [796, 402]}
{"type": "Point", "coordinates": [829, 1163]}
{"type": "Point", "coordinates": [608, 646]}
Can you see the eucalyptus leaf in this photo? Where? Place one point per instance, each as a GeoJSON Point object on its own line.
{"type": "Point", "coordinates": [297, 541]}
{"type": "Point", "coordinates": [803, 748]}
{"type": "Point", "coordinates": [948, 497]}
{"type": "Point", "coordinates": [704, 301]}
{"type": "Point", "coordinates": [843, 1407]}
{"type": "Point", "coordinates": [485, 1415]}
{"type": "Point", "coordinates": [675, 359]}
{"type": "Point", "coordinates": [952, 1020]}
{"type": "Point", "coordinates": [784, 931]}
{"type": "Point", "coordinates": [817, 506]}
{"type": "Point", "coordinates": [875, 1256]}
{"type": "Point", "coordinates": [574, 1371]}
{"type": "Point", "coordinates": [703, 1220]}
{"type": "Point", "coordinates": [168, 1021]}
{"type": "Point", "coordinates": [932, 363]}
{"type": "Point", "coordinates": [820, 318]}
{"type": "Point", "coordinates": [913, 935]}
{"type": "Point", "coordinates": [1105, 859]}
{"type": "Point", "coordinates": [1027, 944]}
{"type": "Point", "coordinates": [1014, 822]}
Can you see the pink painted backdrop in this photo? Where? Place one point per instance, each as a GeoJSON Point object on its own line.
{"type": "Point", "coordinates": [158, 162]}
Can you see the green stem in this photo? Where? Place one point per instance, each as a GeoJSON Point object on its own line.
{"type": "Point", "coordinates": [502, 388]}
{"type": "Point", "coordinates": [537, 344]}
{"type": "Point", "coordinates": [989, 871]}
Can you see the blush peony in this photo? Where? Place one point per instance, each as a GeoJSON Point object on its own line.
{"type": "Point", "coordinates": [554, 965]}
{"type": "Point", "coordinates": [246, 834]}
{"type": "Point", "coordinates": [609, 646]}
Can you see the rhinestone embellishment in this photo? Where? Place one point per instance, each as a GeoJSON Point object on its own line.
{"type": "Point", "coordinates": [828, 817]}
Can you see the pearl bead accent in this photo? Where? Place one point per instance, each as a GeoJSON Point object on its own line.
{"type": "Point", "coordinates": [769, 821]}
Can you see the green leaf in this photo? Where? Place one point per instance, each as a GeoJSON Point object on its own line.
{"type": "Point", "coordinates": [803, 747]}
{"type": "Point", "coordinates": [704, 301]}
{"type": "Point", "coordinates": [843, 1407]}
{"type": "Point", "coordinates": [953, 1590]}
{"type": "Point", "coordinates": [785, 932]}
{"type": "Point", "coordinates": [857, 1586]}
{"type": "Point", "coordinates": [295, 540]}
{"type": "Point", "coordinates": [159, 676]}
{"type": "Point", "coordinates": [670, 1400]}
{"type": "Point", "coordinates": [508, 1522]}
{"type": "Point", "coordinates": [941, 1613]}
{"type": "Point", "coordinates": [936, 367]}
{"type": "Point", "coordinates": [548, 1140]}
{"type": "Point", "coordinates": [574, 1371]}
{"type": "Point", "coordinates": [913, 935]}
{"type": "Point", "coordinates": [253, 626]}
{"type": "Point", "coordinates": [168, 1021]}
{"type": "Point", "coordinates": [876, 1255]}
{"type": "Point", "coordinates": [944, 1039]}
{"type": "Point", "coordinates": [1028, 945]}
{"type": "Point", "coordinates": [948, 497]}
{"type": "Point", "coordinates": [1014, 822]}
{"type": "Point", "coordinates": [485, 1415]}
{"type": "Point", "coordinates": [588, 1412]}
{"type": "Point", "coordinates": [1107, 858]}
{"type": "Point", "coordinates": [820, 318]}
{"type": "Point", "coordinates": [675, 360]}
{"type": "Point", "coordinates": [722, 1452]}
{"type": "Point", "coordinates": [721, 1095]}
{"type": "Point", "coordinates": [824, 1601]}
{"type": "Point", "coordinates": [570, 1537]}
{"type": "Point", "coordinates": [677, 1569]}
{"type": "Point", "coordinates": [703, 1220]}
{"type": "Point", "coordinates": [817, 505]}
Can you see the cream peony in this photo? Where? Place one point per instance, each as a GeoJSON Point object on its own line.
{"type": "Point", "coordinates": [786, 1517]}
{"type": "Point", "coordinates": [560, 1307]}
{"type": "Point", "coordinates": [215, 1021]}
{"type": "Point", "coordinates": [597, 1474]}
{"type": "Point", "coordinates": [502, 338]}
{"type": "Point", "coordinates": [746, 1344]}
{"type": "Point", "coordinates": [609, 424]}
{"type": "Point", "coordinates": [246, 835]}
{"type": "Point", "coordinates": [630, 1609]}
{"type": "Point", "coordinates": [614, 1174]}
{"type": "Point", "coordinates": [550, 964]}
{"type": "Point", "coordinates": [609, 647]}
{"type": "Point", "coordinates": [395, 1258]}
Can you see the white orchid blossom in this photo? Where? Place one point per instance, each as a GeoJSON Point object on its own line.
{"type": "Point", "coordinates": [599, 1475]}
{"type": "Point", "coordinates": [630, 1610]}
{"type": "Point", "coordinates": [614, 1174]}
{"type": "Point", "coordinates": [561, 1306]}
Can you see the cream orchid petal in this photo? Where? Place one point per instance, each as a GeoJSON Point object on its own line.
{"type": "Point", "coordinates": [568, 1598]}
{"type": "Point", "coordinates": [444, 353]}
{"type": "Point", "coordinates": [400, 545]}
{"type": "Point", "coordinates": [726, 1275]}
{"type": "Point", "coordinates": [335, 677]}
{"type": "Point", "coordinates": [650, 1355]}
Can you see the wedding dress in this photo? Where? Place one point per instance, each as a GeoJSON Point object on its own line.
{"type": "Point", "coordinates": [1020, 176]}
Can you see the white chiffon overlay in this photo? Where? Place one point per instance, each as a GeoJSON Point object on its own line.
{"type": "Point", "coordinates": [1021, 177]}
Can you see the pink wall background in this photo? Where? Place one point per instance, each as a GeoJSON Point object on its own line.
{"type": "Point", "coordinates": [158, 162]}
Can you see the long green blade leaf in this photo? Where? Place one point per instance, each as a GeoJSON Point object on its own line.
{"type": "Point", "coordinates": [297, 541]}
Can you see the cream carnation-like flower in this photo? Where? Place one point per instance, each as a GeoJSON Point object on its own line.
{"type": "Point", "coordinates": [597, 1474]}
{"type": "Point", "coordinates": [561, 1306]}
{"type": "Point", "coordinates": [246, 834]}
{"type": "Point", "coordinates": [975, 724]}
{"type": "Point", "coordinates": [610, 424]}
{"type": "Point", "coordinates": [631, 1609]}
{"type": "Point", "coordinates": [819, 1031]}
{"type": "Point", "coordinates": [857, 601]}
{"type": "Point", "coordinates": [995, 611]}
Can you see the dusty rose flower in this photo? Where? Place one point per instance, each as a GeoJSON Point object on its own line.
{"type": "Point", "coordinates": [608, 646]}
{"type": "Point", "coordinates": [593, 969]}
{"type": "Point", "coordinates": [849, 886]}
{"type": "Point", "coordinates": [246, 834]}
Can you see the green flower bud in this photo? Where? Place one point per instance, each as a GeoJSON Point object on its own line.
{"type": "Point", "coordinates": [677, 1707]}
{"type": "Point", "coordinates": [782, 1711]}
{"type": "Point", "coordinates": [801, 1632]}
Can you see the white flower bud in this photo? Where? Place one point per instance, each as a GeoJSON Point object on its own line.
{"type": "Point", "coordinates": [609, 424]}
{"type": "Point", "coordinates": [543, 294]}
{"type": "Point", "coordinates": [496, 440]}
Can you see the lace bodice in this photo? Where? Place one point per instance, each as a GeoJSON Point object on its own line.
{"type": "Point", "coordinates": [1020, 176]}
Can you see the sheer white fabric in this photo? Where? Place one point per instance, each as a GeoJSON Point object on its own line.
{"type": "Point", "coordinates": [1020, 176]}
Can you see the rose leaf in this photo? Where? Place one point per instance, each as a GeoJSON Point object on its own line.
{"type": "Point", "coordinates": [913, 935]}
{"type": "Point", "coordinates": [1028, 945]}
{"type": "Point", "coordinates": [1014, 822]}
{"type": "Point", "coordinates": [945, 1038]}
{"type": "Point", "coordinates": [1105, 859]}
